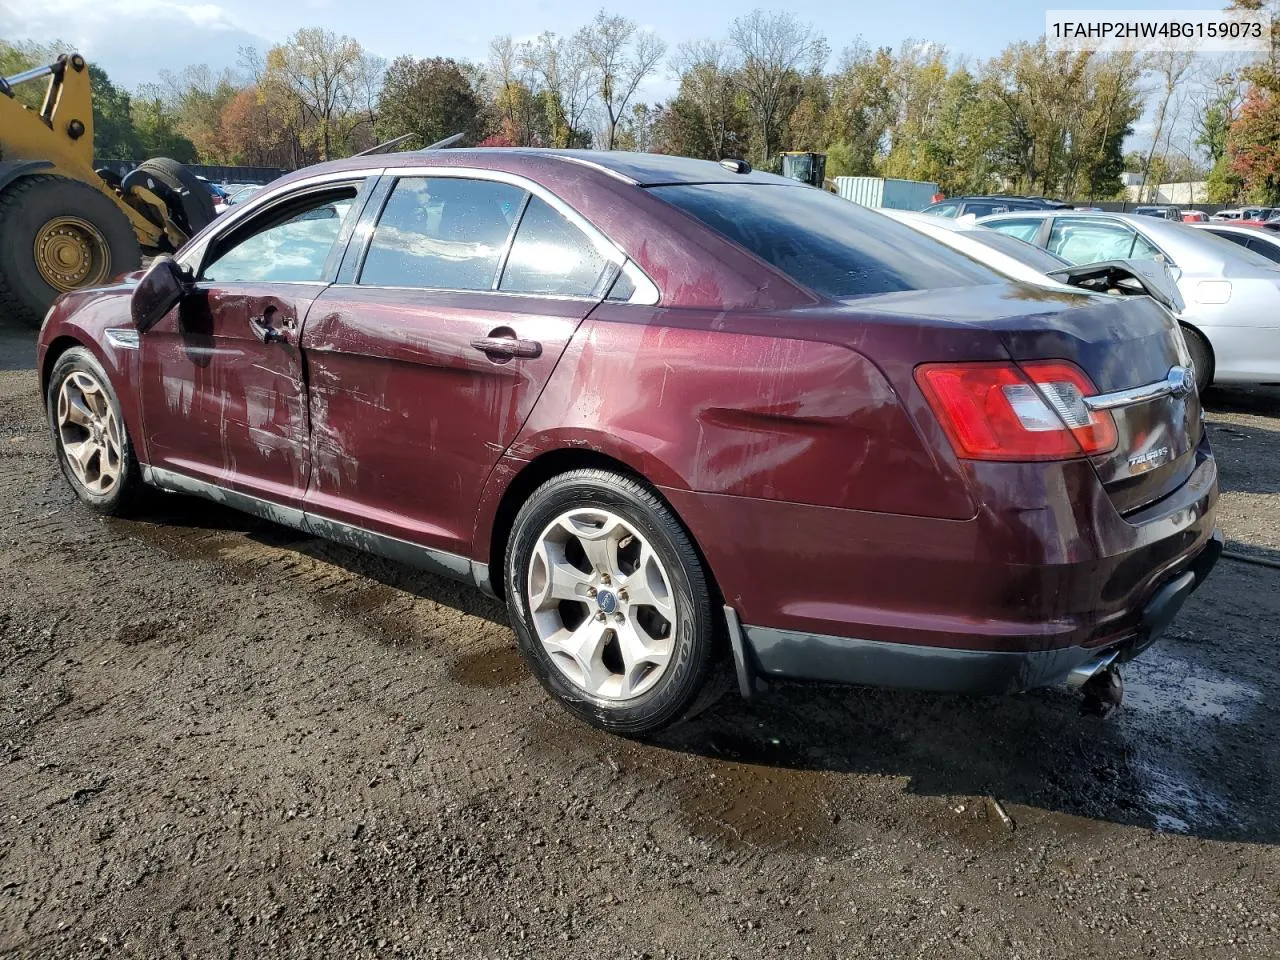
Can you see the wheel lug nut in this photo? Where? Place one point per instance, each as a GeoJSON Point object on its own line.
{"type": "Point", "coordinates": [619, 616]}
{"type": "Point", "coordinates": [622, 595]}
{"type": "Point", "coordinates": [600, 615]}
{"type": "Point", "coordinates": [591, 591]}
{"type": "Point", "coordinates": [604, 578]}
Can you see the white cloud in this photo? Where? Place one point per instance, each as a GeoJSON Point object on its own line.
{"type": "Point", "coordinates": [133, 40]}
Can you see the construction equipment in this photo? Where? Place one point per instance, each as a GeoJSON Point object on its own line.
{"type": "Point", "coordinates": [62, 224]}
{"type": "Point", "coordinates": [810, 168]}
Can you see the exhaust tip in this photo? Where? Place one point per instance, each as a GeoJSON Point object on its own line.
{"type": "Point", "coordinates": [1082, 674]}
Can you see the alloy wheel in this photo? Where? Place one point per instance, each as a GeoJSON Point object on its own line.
{"type": "Point", "coordinates": [602, 604]}
{"type": "Point", "coordinates": [89, 433]}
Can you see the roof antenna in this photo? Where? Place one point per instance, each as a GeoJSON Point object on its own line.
{"type": "Point", "coordinates": [446, 142]}
{"type": "Point", "coordinates": [383, 147]}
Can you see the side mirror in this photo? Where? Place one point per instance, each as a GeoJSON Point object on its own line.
{"type": "Point", "coordinates": [158, 292]}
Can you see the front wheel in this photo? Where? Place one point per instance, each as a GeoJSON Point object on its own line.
{"type": "Point", "coordinates": [610, 604]}
{"type": "Point", "coordinates": [93, 445]}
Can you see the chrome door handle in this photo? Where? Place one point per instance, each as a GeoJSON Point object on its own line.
{"type": "Point", "coordinates": [265, 332]}
{"type": "Point", "coordinates": [507, 347]}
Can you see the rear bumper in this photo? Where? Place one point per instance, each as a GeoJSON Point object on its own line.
{"type": "Point", "coordinates": [1046, 577]}
{"type": "Point", "coordinates": [790, 653]}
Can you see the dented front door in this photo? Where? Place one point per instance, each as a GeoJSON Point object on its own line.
{"type": "Point", "coordinates": [222, 388]}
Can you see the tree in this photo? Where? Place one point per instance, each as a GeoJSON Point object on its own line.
{"type": "Point", "coordinates": [622, 56]}
{"type": "Point", "coordinates": [774, 48]}
{"type": "Point", "coordinates": [1254, 146]}
{"type": "Point", "coordinates": [157, 131]}
{"type": "Point", "coordinates": [567, 83]}
{"type": "Point", "coordinates": [431, 99]}
{"type": "Point", "coordinates": [862, 110]}
{"type": "Point", "coordinates": [321, 72]}
{"type": "Point", "coordinates": [706, 111]}
{"type": "Point", "coordinates": [510, 82]}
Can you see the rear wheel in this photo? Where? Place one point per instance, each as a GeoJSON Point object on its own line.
{"type": "Point", "coordinates": [58, 234]}
{"type": "Point", "coordinates": [1201, 357]}
{"type": "Point", "coordinates": [610, 603]}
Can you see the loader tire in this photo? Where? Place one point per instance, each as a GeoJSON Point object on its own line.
{"type": "Point", "coordinates": [190, 199]}
{"type": "Point", "coordinates": [58, 234]}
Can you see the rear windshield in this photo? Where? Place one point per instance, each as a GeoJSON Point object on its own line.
{"type": "Point", "coordinates": [834, 247]}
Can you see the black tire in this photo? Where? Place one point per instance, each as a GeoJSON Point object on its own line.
{"type": "Point", "coordinates": [128, 491]}
{"type": "Point", "coordinates": [190, 199]}
{"type": "Point", "coordinates": [30, 203]}
{"type": "Point", "coordinates": [1201, 357]}
{"type": "Point", "coordinates": [692, 680]}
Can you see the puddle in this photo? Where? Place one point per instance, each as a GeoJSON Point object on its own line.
{"type": "Point", "coordinates": [489, 668]}
{"type": "Point", "coordinates": [1171, 686]}
{"type": "Point", "coordinates": [757, 805]}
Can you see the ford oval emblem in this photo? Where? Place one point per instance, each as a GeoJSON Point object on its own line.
{"type": "Point", "coordinates": [1182, 381]}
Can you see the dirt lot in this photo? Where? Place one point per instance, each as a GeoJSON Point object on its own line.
{"type": "Point", "coordinates": [221, 739]}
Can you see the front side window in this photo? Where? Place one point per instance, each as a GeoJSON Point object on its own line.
{"type": "Point", "coordinates": [444, 233]}
{"type": "Point", "coordinates": [551, 256]}
{"type": "Point", "coordinates": [984, 208]}
{"type": "Point", "coordinates": [1024, 230]}
{"type": "Point", "coordinates": [287, 245]}
{"type": "Point", "coordinates": [834, 247]}
{"type": "Point", "coordinates": [1090, 241]}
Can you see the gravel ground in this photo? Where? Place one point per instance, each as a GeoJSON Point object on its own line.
{"type": "Point", "coordinates": [221, 739]}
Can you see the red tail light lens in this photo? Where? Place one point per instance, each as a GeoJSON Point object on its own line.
{"type": "Point", "coordinates": [1002, 411]}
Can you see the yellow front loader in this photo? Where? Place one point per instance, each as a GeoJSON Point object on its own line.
{"type": "Point", "coordinates": [63, 225]}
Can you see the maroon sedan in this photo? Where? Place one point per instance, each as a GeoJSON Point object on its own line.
{"type": "Point", "coordinates": [687, 419]}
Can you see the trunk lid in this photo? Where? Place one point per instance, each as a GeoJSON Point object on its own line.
{"type": "Point", "coordinates": [1124, 343]}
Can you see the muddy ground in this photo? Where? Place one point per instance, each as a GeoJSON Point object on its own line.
{"type": "Point", "coordinates": [221, 739]}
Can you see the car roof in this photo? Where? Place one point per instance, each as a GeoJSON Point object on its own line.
{"type": "Point", "coordinates": [641, 169]}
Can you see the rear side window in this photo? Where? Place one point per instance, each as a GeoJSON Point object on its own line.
{"type": "Point", "coordinates": [1090, 241]}
{"type": "Point", "coordinates": [1024, 230]}
{"type": "Point", "coordinates": [443, 233]}
{"type": "Point", "coordinates": [984, 209]}
{"type": "Point", "coordinates": [834, 247]}
{"type": "Point", "coordinates": [551, 256]}
{"type": "Point", "coordinates": [943, 210]}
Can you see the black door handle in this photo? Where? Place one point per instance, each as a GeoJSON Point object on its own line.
{"type": "Point", "coordinates": [504, 348]}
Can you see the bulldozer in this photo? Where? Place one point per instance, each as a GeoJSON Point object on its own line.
{"type": "Point", "coordinates": [64, 225]}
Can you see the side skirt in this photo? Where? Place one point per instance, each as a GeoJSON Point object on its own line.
{"type": "Point", "coordinates": [439, 562]}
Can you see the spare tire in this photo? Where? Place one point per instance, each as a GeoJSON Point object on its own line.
{"type": "Point", "coordinates": [189, 198]}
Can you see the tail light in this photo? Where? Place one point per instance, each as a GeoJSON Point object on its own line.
{"type": "Point", "coordinates": [1003, 411]}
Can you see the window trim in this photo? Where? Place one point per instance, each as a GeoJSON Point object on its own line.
{"type": "Point", "coordinates": [616, 259]}
{"type": "Point", "coordinates": [193, 257]}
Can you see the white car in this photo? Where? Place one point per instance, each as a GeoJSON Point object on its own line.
{"type": "Point", "coordinates": [1260, 240]}
{"type": "Point", "coordinates": [1231, 318]}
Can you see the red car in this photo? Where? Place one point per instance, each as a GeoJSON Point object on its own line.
{"type": "Point", "coordinates": [684, 417]}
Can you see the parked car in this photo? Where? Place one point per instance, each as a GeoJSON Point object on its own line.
{"type": "Point", "coordinates": [219, 193]}
{"type": "Point", "coordinates": [1263, 242]}
{"type": "Point", "coordinates": [242, 194]}
{"type": "Point", "coordinates": [1028, 263]}
{"type": "Point", "coordinates": [984, 206]}
{"type": "Point", "coordinates": [1194, 216]}
{"type": "Point", "coordinates": [1232, 316]}
{"type": "Point", "coordinates": [677, 414]}
{"type": "Point", "coordinates": [1164, 213]}
{"type": "Point", "coordinates": [1228, 215]}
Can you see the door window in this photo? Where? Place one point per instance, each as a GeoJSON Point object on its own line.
{"type": "Point", "coordinates": [943, 209]}
{"type": "Point", "coordinates": [443, 233]}
{"type": "Point", "coordinates": [1024, 230]}
{"type": "Point", "coordinates": [284, 245]}
{"type": "Point", "coordinates": [1144, 249]}
{"type": "Point", "coordinates": [551, 256]}
{"type": "Point", "coordinates": [1090, 241]}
